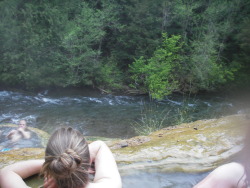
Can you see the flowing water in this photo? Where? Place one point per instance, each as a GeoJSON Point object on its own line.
{"type": "Point", "coordinates": [97, 114]}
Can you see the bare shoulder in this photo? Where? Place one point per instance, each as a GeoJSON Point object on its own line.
{"type": "Point", "coordinates": [231, 169]}
{"type": "Point", "coordinates": [227, 175]}
{"type": "Point", "coordinates": [96, 143]}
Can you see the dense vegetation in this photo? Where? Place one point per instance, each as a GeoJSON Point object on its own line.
{"type": "Point", "coordinates": [153, 46]}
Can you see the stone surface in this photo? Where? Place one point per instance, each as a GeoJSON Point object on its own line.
{"type": "Point", "coordinates": [192, 147]}
{"type": "Point", "coordinates": [15, 155]}
{"type": "Point", "coordinates": [12, 156]}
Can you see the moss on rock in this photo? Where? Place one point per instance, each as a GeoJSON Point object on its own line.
{"type": "Point", "coordinates": [191, 147]}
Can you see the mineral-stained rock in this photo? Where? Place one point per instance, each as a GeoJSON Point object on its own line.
{"type": "Point", "coordinates": [191, 147]}
{"type": "Point", "coordinates": [12, 156]}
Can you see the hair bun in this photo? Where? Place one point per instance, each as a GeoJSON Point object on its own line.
{"type": "Point", "coordinates": [70, 159]}
{"type": "Point", "coordinates": [66, 163]}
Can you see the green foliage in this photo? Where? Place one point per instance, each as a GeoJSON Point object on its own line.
{"type": "Point", "coordinates": [154, 117]}
{"type": "Point", "coordinates": [183, 114]}
{"type": "Point", "coordinates": [157, 74]}
{"type": "Point", "coordinates": [140, 33]}
{"type": "Point", "coordinates": [30, 53]}
{"type": "Point", "coordinates": [100, 43]}
{"type": "Point", "coordinates": [151, 120]}
{"type": "Point", "coordinates": [110, 76]}
{"type": "Point", "coordinates": [242, 59]}
{"type": "Point", "coordinates": [82, 59]}
{"type": "Point", "coordinates": [207, 69]}
{"type": "Point", "coordinates": [51, 43]}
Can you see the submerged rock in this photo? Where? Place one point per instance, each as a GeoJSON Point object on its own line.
{"type": "Point", "coordinates": [192, 147]}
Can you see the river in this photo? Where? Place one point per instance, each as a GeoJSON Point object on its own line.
{"type": "Point", "coordinates": [97, 114]}
{"type": "Point", "coordinates": [113, 116]}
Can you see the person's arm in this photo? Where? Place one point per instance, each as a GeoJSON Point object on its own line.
{"type": "Point", "coordinates": [25, 134]}
{"type": "Point", "coordinates": [10, 133]}
{"type": "Point", "coordinates": [225, 176]}
{"type": "Point", "coordinates": [12, 176]}
{"type": "Point", "coordinates": [106, 171]}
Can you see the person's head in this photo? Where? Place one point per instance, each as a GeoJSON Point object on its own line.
{"type": "Point", "coordinates": [22, 124]}
{"type": "Point", "coordinates": [67, 158]}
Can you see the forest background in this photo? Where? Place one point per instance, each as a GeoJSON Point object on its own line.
{"type": "Point", "coordinates": [134, 46]}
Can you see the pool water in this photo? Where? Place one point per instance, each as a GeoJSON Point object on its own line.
{"type": "Point", "coordinates": [6, 144]}
{"type": "Point", "coordinates": [148, 180]}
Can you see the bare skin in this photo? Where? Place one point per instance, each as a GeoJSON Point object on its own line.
{"type": "Point", "coordinates": [12, 176]}
{"type": "Point", "coordinates": [231, 175]}
{"type": "Point", "coordinates": [106, 171]}
{"type": "Point", "coordinates": [19, 133]}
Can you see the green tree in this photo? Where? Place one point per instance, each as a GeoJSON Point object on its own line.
{"type": "Point", "coordinates": [140, 31]}
{"type": "Point", "coordinates": [157, 75]}
{"type": "Point", "coordinates": [242, 58]}
{"type": "Point", "coordinates": [83, 43]}
{"type": "Point", "coordinates": [30, 43]}
{"type": "Point", "coordinates": [206, 28]}
{"type": "Point", "coordinates": [77, 43]}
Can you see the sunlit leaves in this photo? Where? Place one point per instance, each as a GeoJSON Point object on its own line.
{"type": "Point", "coordinates": [156, 75]}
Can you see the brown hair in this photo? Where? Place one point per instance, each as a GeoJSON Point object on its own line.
{"type": "Point", "coordinates": [67, 158]}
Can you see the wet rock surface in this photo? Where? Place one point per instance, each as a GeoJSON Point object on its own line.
{"type": "Point", "coordinates": [193, 147]}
